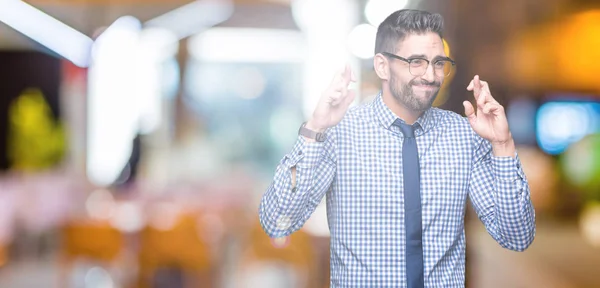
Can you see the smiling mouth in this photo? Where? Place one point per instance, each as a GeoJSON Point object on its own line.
{"type": "Point", "coordinates": [427, 87]}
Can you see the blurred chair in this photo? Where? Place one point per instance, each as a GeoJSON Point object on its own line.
{"type": "Point", "coordinates": [178, 248]}
{"type": "Point", "coordinates": [288, 261]}
{"type": "Point", "coordinates": [95, 241]}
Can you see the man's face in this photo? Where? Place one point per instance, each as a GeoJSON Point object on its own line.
{"type": "Point", "coordinates": [417, 92]}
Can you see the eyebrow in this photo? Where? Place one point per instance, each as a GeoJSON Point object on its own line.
{"type": "Point", "coordinates": [423, 56]}
{"type": "Point", "coordinates": [437, 58]}
{"type": "Point", "coordinates": [417, 56]}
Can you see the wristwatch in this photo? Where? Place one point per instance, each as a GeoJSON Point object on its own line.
{"type": "Point", "coordinates": [317, 136]}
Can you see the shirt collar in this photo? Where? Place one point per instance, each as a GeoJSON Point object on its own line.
{"type": "Point", "coordinates": [386, 117]}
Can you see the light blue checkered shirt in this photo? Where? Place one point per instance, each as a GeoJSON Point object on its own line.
{"type": "Point", "coordinates": [359, 167]}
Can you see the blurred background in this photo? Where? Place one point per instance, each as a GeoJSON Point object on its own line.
{"type": "Point", "coordinates": [138, 136]}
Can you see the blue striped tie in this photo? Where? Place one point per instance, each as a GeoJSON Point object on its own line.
{"type": "Point", "coordinates": [412, 207]}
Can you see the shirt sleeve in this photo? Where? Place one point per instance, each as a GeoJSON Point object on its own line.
{"type": "Point", "coordinates": [284, 207]}
{"type": "Point", "coordinates": [500, 194]}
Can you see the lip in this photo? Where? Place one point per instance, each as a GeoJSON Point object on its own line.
{"type": "Point", "coordinates": [426, 87]}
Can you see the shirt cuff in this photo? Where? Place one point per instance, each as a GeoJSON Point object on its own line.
{"type": "Point", "coordinates": [507, 168]}
{"type": "Point", "coordinates": [304, 154]}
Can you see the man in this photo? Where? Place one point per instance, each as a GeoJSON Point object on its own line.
{"type": "Point", "coordinates": [397, 172]}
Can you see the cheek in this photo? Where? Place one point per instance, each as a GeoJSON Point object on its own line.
{"type": "Point", "coordinates": [401, 78]}
{"type": "Point", "coordinates": [441, 78]}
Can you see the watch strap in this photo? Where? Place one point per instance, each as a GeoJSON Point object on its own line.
{"type": "Point", "coordinates": [317, 136]}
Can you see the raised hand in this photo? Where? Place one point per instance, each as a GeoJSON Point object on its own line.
{"type": "Point", "coordinates": [490, 119]}
{"type": "Point", "coordinates": [334, 102]}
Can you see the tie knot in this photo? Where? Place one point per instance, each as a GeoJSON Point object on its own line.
{"type": "Point", "coordinates": [407, 130]}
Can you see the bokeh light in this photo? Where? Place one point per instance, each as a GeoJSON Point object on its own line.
{"type": "Point", "coordinates": [100, 205]}
{"type": "Point", "coordinates": [377, 10]}
{"type": "Point", "coordinates": [581, 165]}
{"type": "Point", "coordinates": [589, 224]}
{"type": "Point", "coordinates": [361, 41]}
{"type": "Point", "coordinates": [560, 124]}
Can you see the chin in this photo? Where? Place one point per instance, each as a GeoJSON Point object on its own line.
{"type": "Point", "coordinates": [427, 100]}
{"type": "Point", "coordinates": [427, 103]}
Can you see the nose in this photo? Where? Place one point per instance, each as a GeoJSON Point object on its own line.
{"type": "Point", "coordinates": [429, 75]}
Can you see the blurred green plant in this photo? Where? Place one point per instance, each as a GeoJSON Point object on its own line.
{"type": "Point", "coordinates": [581, 166]}
{"type": "Point", "coordinates": [35, 140]}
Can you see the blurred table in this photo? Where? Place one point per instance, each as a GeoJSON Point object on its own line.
{"type": "Point", "coordinates": [558, 257]}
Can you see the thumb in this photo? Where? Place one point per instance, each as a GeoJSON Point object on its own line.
{"type": "Point", "coordinates": [470, 111]}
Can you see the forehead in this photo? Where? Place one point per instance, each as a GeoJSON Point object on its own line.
{"type": "Point", "coordinates": [429, 44]}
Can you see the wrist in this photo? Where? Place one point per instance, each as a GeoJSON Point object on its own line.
{"type": "Point", "coordinates": [312, 133]}
{"type": "Point", "coordinates": [504, 148]}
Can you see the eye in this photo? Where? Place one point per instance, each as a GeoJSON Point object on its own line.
{"type": "Point", "coordinates": [417, 62]}
{"type": "Point", "coordinates": [440, 63]}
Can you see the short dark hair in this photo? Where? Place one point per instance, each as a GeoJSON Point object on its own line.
{"type": "Point", "coordinates": [404, 22]}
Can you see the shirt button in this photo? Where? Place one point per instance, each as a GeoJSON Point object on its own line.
{"type": "Point", "coordinates": [299, 152]}
{"type": "Point", "coordinates": [294, 189]}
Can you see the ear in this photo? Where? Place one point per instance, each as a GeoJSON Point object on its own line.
{"type": "Point", "coordinates": [381, 66]}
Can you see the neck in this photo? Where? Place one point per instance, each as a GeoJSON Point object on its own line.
{"type": "Point", "coordinates": [404, 113]}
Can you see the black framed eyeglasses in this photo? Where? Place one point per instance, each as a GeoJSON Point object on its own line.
{"type": "Point", "coordinates": [418, 66]}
